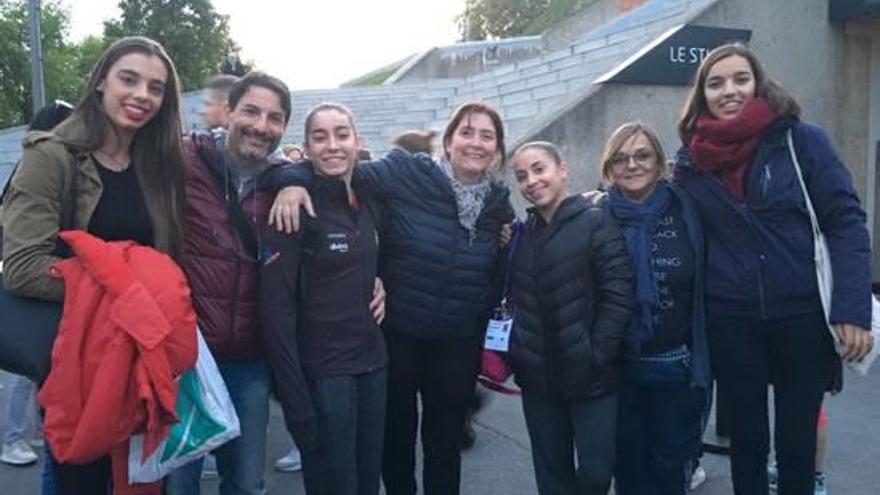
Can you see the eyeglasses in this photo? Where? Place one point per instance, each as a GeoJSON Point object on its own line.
{"type": "Point", "coordinates": [641, 157]}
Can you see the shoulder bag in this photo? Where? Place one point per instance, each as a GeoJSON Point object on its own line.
{"type": "Point", "coordinates": [29, 325]}
{"type": "Point", "coordinates": [824, 276]}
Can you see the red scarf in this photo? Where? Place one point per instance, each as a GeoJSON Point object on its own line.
{"type": "Point", "coordinates": [727, 147]}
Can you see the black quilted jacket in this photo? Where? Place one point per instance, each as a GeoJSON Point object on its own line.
{"type": "Point", "coordinates": [572, 292]}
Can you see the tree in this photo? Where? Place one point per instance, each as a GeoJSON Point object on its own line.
{"type": "Point", "coordinates": [482, 19]}
{"type": "Point", "coordinates": [196, 36]}
{"type": "Point", "coordinates": [63, 62]}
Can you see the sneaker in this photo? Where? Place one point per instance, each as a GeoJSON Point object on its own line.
{"type": "Point", "coordinates": [772, 476]}
{"type": "Point", "coordinates": [209, 467]}
{"type": "Point", "coordinates": [290, 462]}
{"type": "Point", "coordinates": [18, 453]}
{"type": "Point", "coordinates": [37, 442]}
{"type": "Point", "coordinates": [698, 478]}
{"type": "Point", "coordinates": [819, 487]}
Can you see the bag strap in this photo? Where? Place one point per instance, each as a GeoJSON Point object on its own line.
{"type": "Point", "coordinates": [819, 242]}
{"type": "Point", "coordinates": [797, 168]}
{"type": "Point", "coordinates": [230, 194]}
{"type": "Point", "coordinates": [68, 207]}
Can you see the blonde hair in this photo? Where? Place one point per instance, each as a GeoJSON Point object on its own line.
{"type": "Point", "coordinates": [620, 136]}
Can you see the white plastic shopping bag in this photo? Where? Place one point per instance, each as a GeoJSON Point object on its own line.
{"type": "Point", "coordinates": [207, 421]}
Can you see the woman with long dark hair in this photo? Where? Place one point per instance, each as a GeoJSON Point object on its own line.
{"type": "Point", "coordinates": [123, 143]}
{"type": "Point", "coordinates": [743, 145]}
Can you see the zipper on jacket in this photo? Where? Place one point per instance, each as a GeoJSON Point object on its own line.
{"type": "Point", "coordinates": [538, 245]}
{"type": "Point", "coordinates": [765, 182]}
{"type": "Point", "coordinates": [234, 306]}
{"type": "Point", "coordinates": [762, 261]}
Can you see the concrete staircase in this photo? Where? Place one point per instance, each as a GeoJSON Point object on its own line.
{"type": "Point", "coordinates": [530, 94]}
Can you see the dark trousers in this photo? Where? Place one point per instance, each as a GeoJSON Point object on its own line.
{"type": "Point", "coordinates": [795, 355]}
{"type": "Point", "coordinates": [82, 479]}
{"type": "Point", "coordinates": [351, 422]}
{"type": "Point", "coordinates": [559, 427]}
{"type": "Point", "coordinates": [444, 373]}
{"type": "Point", "coordinates": [659, 425]}
{"type": "Point", "coordinates": [722, 412]}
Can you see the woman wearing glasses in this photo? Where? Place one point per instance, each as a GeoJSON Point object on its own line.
{"type": "Point", "coordinates": [666, 364]}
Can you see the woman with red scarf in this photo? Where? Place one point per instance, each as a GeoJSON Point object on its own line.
{"type": "Point", "coordinates": [764, 316]}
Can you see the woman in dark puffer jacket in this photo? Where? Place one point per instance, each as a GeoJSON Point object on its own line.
{"type": "Point", "coordinates": [742, 142]}
{"type": "Point", "coordinates": [571, 291]}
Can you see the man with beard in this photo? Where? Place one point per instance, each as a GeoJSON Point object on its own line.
{"type": "Point", "coordinates": [231, 182]}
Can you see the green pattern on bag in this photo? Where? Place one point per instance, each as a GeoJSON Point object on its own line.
{"type": "Point", "coordinates": [196, 424]}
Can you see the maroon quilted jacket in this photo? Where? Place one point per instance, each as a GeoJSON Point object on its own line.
{"type": "Point", "coordinates": [222, 272]}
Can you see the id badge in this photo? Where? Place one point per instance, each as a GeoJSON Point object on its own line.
{"type": "Point", "coordinates": [498, 329]}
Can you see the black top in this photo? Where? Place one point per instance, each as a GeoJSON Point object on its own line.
{"type": "Point", "coordinates": [338, 335]}
{"type": "Point", "coordinates": [315, 292]}
{"type": "Point", "coordinates": [121, 213]}
{"type": "Point", "coordinates": [673, 264]}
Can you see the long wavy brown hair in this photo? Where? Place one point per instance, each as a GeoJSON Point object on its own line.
{"type": "Point", "coordinates": [780, 100]}
{"type": "Point", "coordinates": [155, 149]}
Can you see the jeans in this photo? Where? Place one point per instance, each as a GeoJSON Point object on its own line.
{"type": "Point", "coordinates": [444, 372]}
{"type": "Point", "coordinates": [351, 422]}
{"type": "Point", "coordinates": [659, 425]}
{"type": "Point", "coordinates": [21, 397]}
{"type": "Point", "coordinates": [796, 355]}
{"type": "Point", "coordinates": [559, 427]}
{"type": "Point", "coordinates": [240, 462]}
{"type": "Point", "coordinates": [47, 473]}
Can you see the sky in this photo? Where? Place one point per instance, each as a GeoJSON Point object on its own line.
{"type": "Point", "coordinates": [313, 44]}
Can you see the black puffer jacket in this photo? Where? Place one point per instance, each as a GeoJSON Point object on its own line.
{"type": "Point", "coordinates": [441, 280]}
{"type": "Point", "coordinates": [572, 293]}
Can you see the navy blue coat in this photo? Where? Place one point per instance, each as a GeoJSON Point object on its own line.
{"type": "Point", "coordinates": [441, 281]}
{"type": "Point", "coordinates": [759, 252]}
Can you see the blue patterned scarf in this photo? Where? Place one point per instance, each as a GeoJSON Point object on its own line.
{"type": "Point", "coordinates": [638, 221]}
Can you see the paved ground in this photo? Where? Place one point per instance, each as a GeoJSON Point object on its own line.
{"type": "Point", "coordinates": [500, 462]}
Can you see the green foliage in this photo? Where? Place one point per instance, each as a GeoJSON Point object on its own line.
{"type": "Point", "coordinates": [65, 67]}
{"type": "Point", "coordinates": [484, 19]}
{"type": "Point", "coordinates": [379, 77]}
{"type": "Point", "coordinates": [556, 12]}
{"type": "Point", "coordinates": [196, 37]}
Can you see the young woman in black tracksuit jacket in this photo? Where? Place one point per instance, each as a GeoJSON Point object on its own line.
{"type": "Point", "coordinates": [325, 346]}
{"type": "Point", "coordinates": [571, 291]}
{"type": "Point", "coordinates": [439, 263]}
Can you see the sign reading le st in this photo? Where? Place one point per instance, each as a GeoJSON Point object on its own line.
{"type": "Point", "coordinates": [675, 56]}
